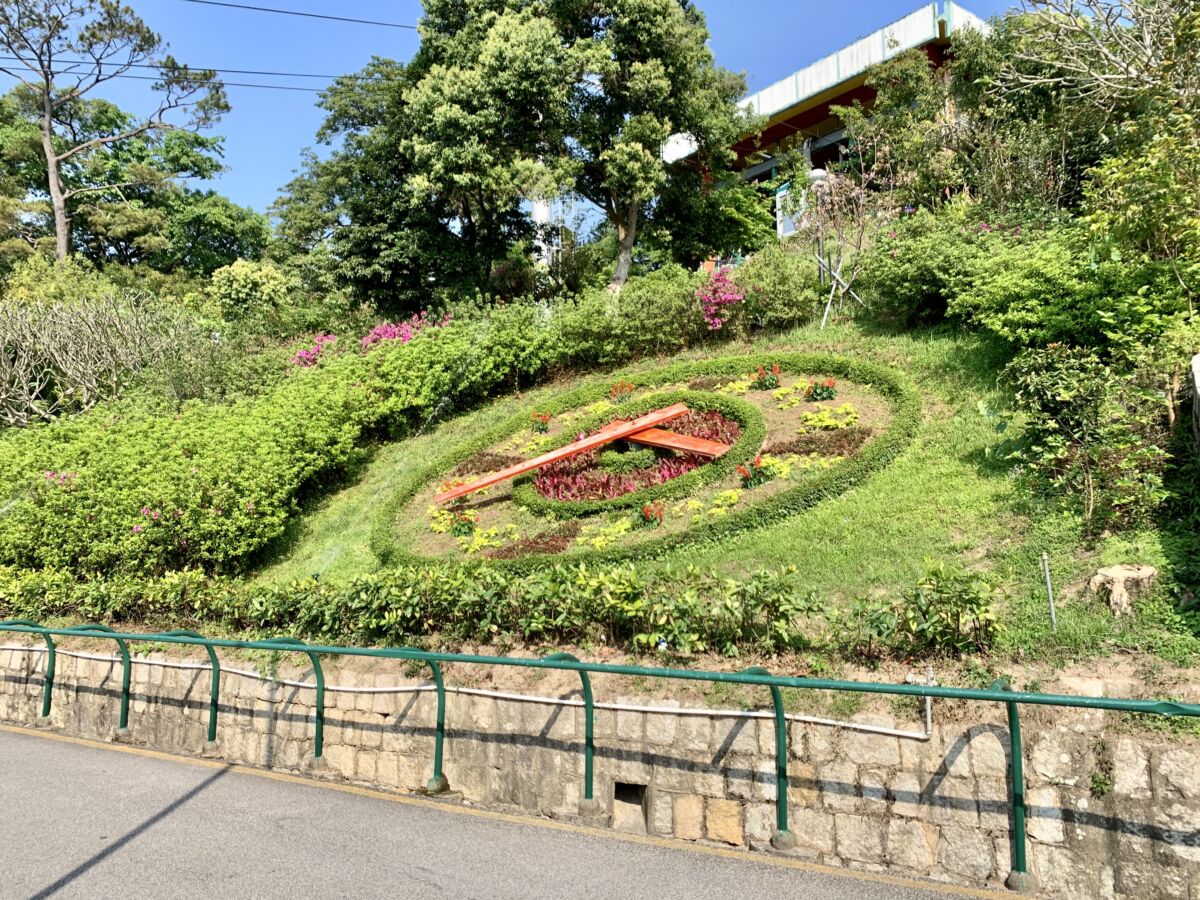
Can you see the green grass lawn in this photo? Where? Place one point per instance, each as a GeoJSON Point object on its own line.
{"type": "Point", "coordinates": [939, 499]}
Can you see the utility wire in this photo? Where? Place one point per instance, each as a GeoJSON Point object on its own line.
{"type": "Point", "coordinates": [308, 15]}
{"type": "Point", "coordinates": [269, 87]}
{"type": "Point", "coordinates": [88, 62]}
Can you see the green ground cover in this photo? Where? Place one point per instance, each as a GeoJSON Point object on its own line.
{"type": "Point", "coordinates": [941, 498]}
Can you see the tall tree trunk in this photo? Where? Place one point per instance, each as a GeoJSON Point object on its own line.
{"type": "Point", "coordinates": [62, 222]}
{"type": "Point", "coordinates": [626, 235]}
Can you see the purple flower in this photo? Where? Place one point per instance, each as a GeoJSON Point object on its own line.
{"type": "Point", "coordinates": [716, 296]}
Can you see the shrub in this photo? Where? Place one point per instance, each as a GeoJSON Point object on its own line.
{"type": "Point", "coordinates": [719, 298]}
{"type": "Point", "coordinates": [921, 263]}
{"type": "Point", "coordinates": [1048, 286]}
{"type": "Point", "coordinates": [39, 281]}
{"type": "Point", "coordinates": [780, 287]}
{"type": "Point", "coordinates": [224, 480]}
{"type": "Point", "coordinates": [68, 354]}
{"type": "Point", "coordinates": [949, 612]}
{"type": "Point", "coordinates": [1091, 433]}
{"type": "Point", "coordinates": [250, 290]}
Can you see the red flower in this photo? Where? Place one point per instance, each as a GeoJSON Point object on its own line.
{"type": "Point", "coordinates": [775, 368]}
{"type": "Point", "coordinates": [743, 471]}
{"type": "Point", "coordinates": [758, 461]}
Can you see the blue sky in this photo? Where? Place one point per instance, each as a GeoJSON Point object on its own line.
{"type": "Point", "coordinates": [266, 130]}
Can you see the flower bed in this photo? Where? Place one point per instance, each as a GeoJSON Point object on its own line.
{"type": "Point", "coordinates": [518, 526]}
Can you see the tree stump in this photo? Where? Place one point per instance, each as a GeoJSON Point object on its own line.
{"type": "Point", "coordinates": [1121, 585]}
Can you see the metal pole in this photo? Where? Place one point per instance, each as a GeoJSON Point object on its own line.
{"type": "Point", "coordinates": [1019, 878]}
{"type": "Point", "coordinates": [1049, 590]}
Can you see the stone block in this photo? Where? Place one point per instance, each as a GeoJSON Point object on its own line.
{"type": "Point", "coordinates": [821, 743]}
{"type": "Point", "coordinates": [872, 784]}
{"type": "Point", "coordinates": [912, 845]}
{"type": "Point", "coordinates": [1063, 875]}
{"type": "Point", "coordinates": [904, 789]}
{"type": "Point", "coordinates": [688, 817]}
{"type": "Point", "coordinates": [662, 819]}
{"type": "Point", "coordinates": [693, 733]}
{"type": "Point", "coordinates": [364, 766]}
{"type": "Point", "coordinates": [1176, 774]}
{"type": "Point", "coordinates": [723, 821]}
{"type": "Point", "coordinates": [739, 777]}
{"type": "Point", "coordinates": [859, 838]}
{"type": "Point", "coordinates": [1044, 818]}
{"type": "Point", "coordinates": [805, 789]}
{"type": "Point", "coordinates": [967, 852]}
{"type": "Point", "coordinates": [989, 756]}
{"type": "Point", "coordinates": [839, 786]}
{"type": "Point", "coordinates": [631, 726]}
{"type": "Point", "coordinates": [877, 750]}
{"type": "Point", "coordinates": [681, 779]}
{"type": "Point", "coordinates": [994, 807]}
{"type": "Point", "coordinates": [813, 828]}
{"type": "Point", "coordinates": [952, 802]}
{"type": "Point", "coordinates": [1051, 759]}
{"type": "Point", "coordinates": [661, 729]}
{"type": "Point", "coordinates": [735, 737]}
{"type": "Point", "coordinates": [1130, 770]}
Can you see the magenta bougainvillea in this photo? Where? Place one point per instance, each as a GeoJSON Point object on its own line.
{"type": "Point", "coordinates": [581, 477]}
{"type": "Point", "coordinates": [717, 296]}
{"type": "Point", "coordinates": [402, 331]}
{"type": "Point", "coordinates": [308, 357]}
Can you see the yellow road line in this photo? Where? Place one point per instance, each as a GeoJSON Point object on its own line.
{"type": "Point", "coordinates": [552, 825]}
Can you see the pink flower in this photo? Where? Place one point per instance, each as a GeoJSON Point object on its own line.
{"type": "Point", "coordinates": [716, 296]}
{"type": "Point", "coordinates": [137, 529]}
{"type": "Point", "coordinates": [402, 331]}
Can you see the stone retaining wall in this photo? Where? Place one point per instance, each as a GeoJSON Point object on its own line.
{"type": "Point", "coordinates": [1112, 814]}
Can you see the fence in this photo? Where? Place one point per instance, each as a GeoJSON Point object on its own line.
{"type": "Point", "coordinates": [999, 692]}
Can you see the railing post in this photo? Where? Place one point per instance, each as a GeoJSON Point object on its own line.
{"type": "Point", "coordinates": [1020, 878]}
{"type": "Point", "coordinates": [438, 784]}
{"type": "Point", "coordinates": [286, 643]}
{"type": "Point", "coordinates": [590, 807]}
{"type": "Point", "coordinates": [123, 720]}
{"type": "Point", "coordinates": [782, 839]}
{"type": "Point", "coordinates": [214, 687]}
{"type": "Point", "coordinates": [48, 680]}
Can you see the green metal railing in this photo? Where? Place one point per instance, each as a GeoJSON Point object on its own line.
{"type": "Point", "coordinates": [999, 692]}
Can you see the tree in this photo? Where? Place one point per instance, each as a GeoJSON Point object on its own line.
{"type": "Point", "coordinates": [523, 98]}
{"type": "Point", "coordinates": [393, 245]}
{"type": "Point", "coordinates": [644, 73]}
{"type": "Point", "coordinates": [63, 49]}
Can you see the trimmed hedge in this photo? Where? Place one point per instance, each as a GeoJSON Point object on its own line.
{"type": "Point", "coordinates": [749, 442]}
{"type": "Point", "coordinates": [902, 397]}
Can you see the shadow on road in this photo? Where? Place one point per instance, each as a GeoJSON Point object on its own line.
{"type": "Point", "coordinates": [132, 834]}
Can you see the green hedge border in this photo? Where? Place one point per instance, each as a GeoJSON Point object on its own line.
{"type": "Point", "coordinates": [897, 389]}
{"type": "Point", "coordinates": [749, 442]}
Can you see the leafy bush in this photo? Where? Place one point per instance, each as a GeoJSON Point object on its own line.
{"type": "Point", "coordinates": [39, 281]}
{"type": "Point", "coordinates": [67, 353]}
{"type": "Point", "coordinates": [949, 612]}
{"type": "Point", "coordinates": [210, 486]}
{"type": "Point", "coordinates": [250, 290]}
{"type": "Point", "coordinates": [780, 286]}
{"type": "Point", "coordinates": [920, 264]}
{"type": "Point", "coordinates": [1091, 433]}
{"type": "Point", "coordinates": [1048, 287]}
{"type": "Point", "coordinates": [678, 611]}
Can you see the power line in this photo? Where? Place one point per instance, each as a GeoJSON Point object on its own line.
{"type": "Point", "coordinates": [247, 84]}
{"type": "Point", "coordinates": [308, 15]}
{"type": "Point", "coordinates": [86, 62]}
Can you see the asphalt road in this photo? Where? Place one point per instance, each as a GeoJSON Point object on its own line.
{"type": "Point", "coordinates": [79, 820]}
